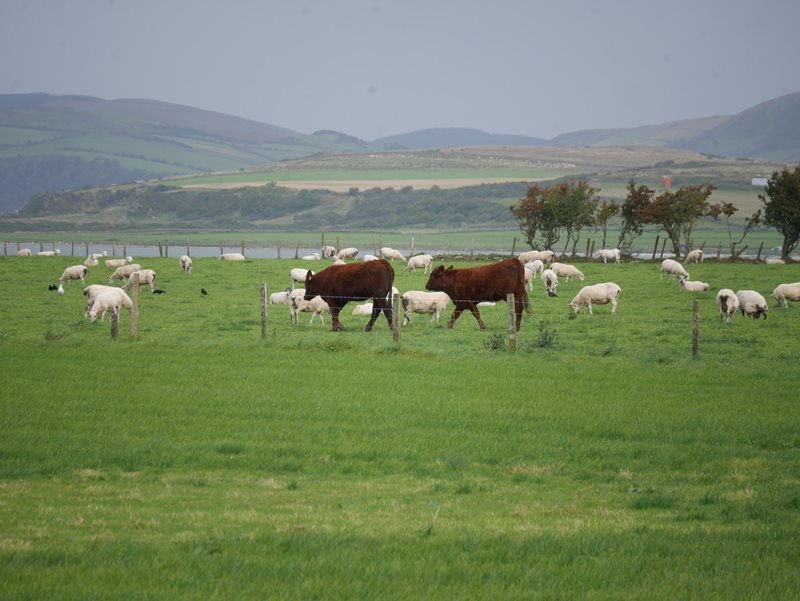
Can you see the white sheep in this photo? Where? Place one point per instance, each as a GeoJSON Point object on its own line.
{"type": "Point", "coordinates": [774, 261]}
{"type": "Point", "coordinates": [363, 309]}
{"type": "Point", "coordinates": [424, 261]}
{"type": "Point", "coordinates": [231, 257]}
{"type": "Point", "coordinates": [727, 304]}
{"type": "Point", "coordinates": [280, 298]}
{"type": "Point", "coordinates": [597, 294]}
{"type": "Point", "coordinates": [312, 257]}
{"type": "Point", "coordinates": [418, 301]}
{"type": "Point", "coordinates": [24, 252]}
{"type": "Point", "coordinates": [75, 272]}
{"type": "Point", "coordinates": [93, 290]}
{"type": "Point", "coordinates": [690, 286]}
{"type": "Point", "coordinates": [673, 268]}
{"type": "Point", "coordinates": [550, 281]}
{"type": "Point", "coordinates": [567, 271]}
{"type": "Point", "coordinates": [328, 251]}
{"type": "Point", "coordinates": [186, 263]}
{"type": "Point", "coordinates": [391, 254]}
{"type": "Point", "coordinates": [369, 257]}
{"type": "Point", "coordinates": [338, 261]}
{"type": "Point", "coordinates": [694, 256]}
{"type": "Point", "coordinates": [298, 304]}
{"type": "Point", "coordinates": [545, 256]}
{"type": "Point", "coordinates": [347, 253]}
{"type": "Point", "coordinates": [298, 275]}
{"type": "Point", "coordinates": [123, 272]}
{"type": "Point", "coordinates": [119, 262]}
{"type": "Point", "coordinates": [48, 253]}
{"type": "Point", "coordinates": [109, 300]}
{"type": "Point", "coordinates": [91, 261]}
{"type": "Point", "coordinates": [787, 292]}
{"type": "Point", "coordinates": [529, 276]}
{"type": "Point", "coordinates": [752, 304]}
{"type": "Point", "coordinates": [608, 253]}
{"type": "Point", "coordinates": [146, 276]}
{"type": "Point", "coordinates": [536, 266]}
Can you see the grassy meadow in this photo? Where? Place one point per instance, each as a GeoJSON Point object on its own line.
{"type": "Point", "coordinates": [199, 461]}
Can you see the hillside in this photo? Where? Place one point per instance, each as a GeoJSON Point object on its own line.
{"type": "Point", "coordinates": [452, 137]}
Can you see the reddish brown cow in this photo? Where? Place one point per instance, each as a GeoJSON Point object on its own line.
{"type": "Point", "coordinates": [467, 287]}
{"type": "Point", "coordinates": [339, 284]}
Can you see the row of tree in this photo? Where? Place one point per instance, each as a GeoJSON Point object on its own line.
{"type": "Point", "coordinates": [548, 215]}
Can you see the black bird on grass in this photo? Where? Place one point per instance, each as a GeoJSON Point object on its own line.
{"type": "Point", "coordinates": [159, 291]}
{"type": "Point", "coordinates": [203, 292]}
{"type": "Point", "coordinates": [52, 287]}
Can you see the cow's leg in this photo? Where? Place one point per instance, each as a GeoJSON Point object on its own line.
{"type": "Point", "coordinates": [518, 307]}
{"type": "Point", "coordinates": [335, 316]}
{"type": "Point", "coordinates": [379, 305]}
{"type": "Point", "coordinates": [477, 315]}
{"type": "Point", "coordinates": [456, 314]}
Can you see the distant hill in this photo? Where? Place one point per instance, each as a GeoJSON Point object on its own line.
{"type": "Point", "coordinates": [770, 130]}
{"type": "Point", "coordinates": [452, 137]}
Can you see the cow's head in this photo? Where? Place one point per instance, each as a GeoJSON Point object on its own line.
{"type": "Point", "coordinates": [312, 286]}
{"type": "Point", "coordinates": [438, 279]}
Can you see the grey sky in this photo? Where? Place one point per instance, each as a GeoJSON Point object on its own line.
{"type": "Point", "coordinates": [373, 68]}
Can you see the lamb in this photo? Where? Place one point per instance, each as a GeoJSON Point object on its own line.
{"type": "Point", "coordinates": [550, 281]}
{"type": "Point", "coordinates": [338, 261]}
{"type": "Point", "coordinates": [297, 304]}
{"type": "Point", "coordinates": [417, 301]}
{"type": "Point", "coordinates": [787, 292]}
{"type": "Point", "coordinates": [186, 264]}
{"type": "Point", "coordinates": [91, 261]}
{"type": "Point", "coordinates": [391, 254]}
{"type": "Point", "coordinates": [673, 268]}
{"type": "Point", "coordinates": [328, 251]}
{"type": "Point", "coordinates": [363, 309]}
{"type": "Point", "coordinates": [347, 253]}
{"type": "Point", "coordinates": [75, 272]}
{"type": "Point", "coordinates": [109, 300]}
{"type": "Point", "coordinates": [146, 276]}
{"type": "Point", "coordinates": [231, 257]}
{"type": "Point", "coordinates": [767, 260]}
{"type": "Point", "coordinates": [529, 275]}
{"type": "Point", "coordinates": [48, 253]}
{"type": "Point", "coordinates": [690, 286]}
{"type": "Point", "coordinates": [597, 294]}
{"type": "Point", "coordinates": [312, 257]}
{"type": "Point", "coordinates": [92, 291]}
{"type": "Point", "coordinates": [545, 256]}
{"type": "Point", "coordinates": [695, 256]}
{"type": "Point", "coordinates": [752, 304]}
{"type": "Point", "coordinates": [369, 257]}
{"type": "Point", "coordinates": [298, 275]}
{"type": "Point", "coordinates": [608, 253]}
{"type": "Point", "coordinates": [24, 252]}
{"type": "Point", "coordinates": [119, 262]}
{"type": "Point", "coordinates": [123, 272]}
{"type": "Point", "coordinates": [567, 271]}
{"type": "Point", "coordinates": [280, 298]}
{"type": "Point", "coordinates": [425, 261]}
{"type": "Point", "coordinates": [727, 304]}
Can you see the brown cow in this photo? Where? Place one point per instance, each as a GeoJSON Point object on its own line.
{"type": "Point", "coordinates": [339, 284]}
{"type": "Point", "coordinates": [467, 287]}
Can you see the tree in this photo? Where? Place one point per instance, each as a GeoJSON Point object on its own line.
{"type": "Point", "coordinates": [632, 226]}
{"type": "Point", "coordinates": [575, 208]}
{"type": "Point", "coordinates": [677, 212]}
{"type": "Point", "coordinates": [536, 218]}
{"type": "Point", "coordinates": [727, 210]}
{"type": "Point", "coordinates": [605, 211]}
{"type": "Point", "coordinates": [782, 207]}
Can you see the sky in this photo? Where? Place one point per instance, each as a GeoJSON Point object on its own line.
{"type": "Point", "coordinates": [374, 68]}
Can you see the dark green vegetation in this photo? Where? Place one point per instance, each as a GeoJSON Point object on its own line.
{"type": "Point", "coordinates": [198, 461]}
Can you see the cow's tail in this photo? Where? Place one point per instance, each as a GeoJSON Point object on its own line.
{"type": "Point", "coordinates": [526, 302]}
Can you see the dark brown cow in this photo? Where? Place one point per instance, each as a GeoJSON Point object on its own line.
{"type": "Point", "coordinates": [467, 287]}
{"type": "Point", "coordinates": [339, 284]}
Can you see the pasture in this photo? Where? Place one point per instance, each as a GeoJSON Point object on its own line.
{"type": "Point", "coordinates": [199, 461]}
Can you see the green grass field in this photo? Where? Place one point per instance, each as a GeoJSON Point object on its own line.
{"type": "Point", "coordinates": [199, 461]}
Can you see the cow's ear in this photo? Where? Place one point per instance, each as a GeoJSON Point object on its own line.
{"type": "Point", "coordinates": [309, 276]}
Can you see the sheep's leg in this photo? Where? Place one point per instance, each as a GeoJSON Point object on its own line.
{"type": "Point", "coordinates": [589, 307]}
{"type": "Point", "coordinates": [613, 306]}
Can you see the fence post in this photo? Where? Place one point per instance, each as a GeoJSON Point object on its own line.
{"type": "Point", "coordinates": [411, 250]}
{"type": "Point", "coordinates": [695, 328]}
{"type": "Point", "coordinates": [125, 249]}
{"type": "Point", "coordinates": [166, 248]}
{"type": "Point", "coordinates": [719, 250]}
{"type": "Point", "coordinates": [278, 248]}
{"type": "Point", "coordinates": [86, 247]}
{"type": "Point", "coordinates": [72, 249]}
{"type": "Point", "coordinates": [263, 310]}
{"type": "Point", "coordinates": [758, 256]}
{"type": "Point", "coordinates": [41, 246]}
{"type": "Point", "coordinates": [114, 322]}
{"type": "Point", "coordinates": [135, 308]}
{"type": "Point", "coordinates": [655, 247]}
{"type": "Point", "coordinates": [338, 244]}
{"type": "Point", "coordinates": [188, 254]}
{"type": "Point", "coordinates": [160, 249]}
{"type": "Point", "coordinates": [663, 244]}
{"type": "Point", "coordinates": [588, 243]}
{"type": "Point", "coordinates": [514, 247]}
{"type": "Point", "coordinates": [395, 317]}
{"type": "Point", "coordinates": [220, 247]}
{"type": "Point", "coordinates": [242, 247]}
{"type": "Point", "coordinates": [591, 250]}
{"type": "Point", "coordinates": [5, 249]}
{"type": "Point", "coordinates": [472, 249]}
{"type": "Point", "coordinates": [297, 251]}
{"type": "Point", "coordinates": [512, 326]}
{"type": "Point", "coordinates": [113, 248]}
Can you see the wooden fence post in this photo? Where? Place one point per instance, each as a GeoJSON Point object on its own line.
{"type": "Point", "coordinates": [166, 248]}
{"type": "Point", "coordinates": [588, 243]}
{"type": "Point", "coordinates": [86, 248]}
{"type": "Point", "coordinates": [242, 247]}
{"type": "Point", "coordinates": [695, 328]}
{"type": "Point", "coordinates": [411, 250]}
{"type": "Point", "coordinates": [220, 247]}
{"type": "Point", "coordinates": [263, 310]}
{"type": "Point", "coordinates": [512, 325]}
{"type": "Point", "coordinates": [591, 251]}
{"type": "Point", "coordinates": [5, 249]}
{"type": "Point", "coordinates": [135, 308]}
{"type": "Point", "coordinates": [278, 248]}
{"type": "Point", "coordinates": [41, 246]}
{"type": "Point", "coordinates": [719, 250]}
{"type": "Point", "coordinates": [125, 249]}
{"type": "Point", "coordinates": [514, 247]}
{"type": "Point", "coordinates": [160, 249]}
{"type": "Point", "coordinates": [655, 247]}
{"type": "Point", "coordinates": [338, 244]}
{"type": "Point", "coordinates": [472, 249]}
{"type": "Point", "coordinates": [395, 317]}
{"type": "Point", "coordinates": [297, 251]}
{"type": "Point", "coordinates": [663, 244]}
{"type": "Point", "coordinates": [188, 254]}
{"type": "Point", "coordinates": [114, 322]}
{"type": "Point", "coordinates": [758, 256]}
{"type": "Point", "coordinates": [113, 248]}
{"type": "Point", "coordinates": [72, 249]}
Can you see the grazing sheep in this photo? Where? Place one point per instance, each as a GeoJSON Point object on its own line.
{"type": "Point", "coordinates": [75, 272]}
{"type": "Point", "coordinates": [567, 271]}
{"type": "Point", "coordinates": [545, 256]}
{"type": "Point", "coordinates": [369, 257]}
{"type": "Point", "coordinates": [690, 286]}
{"type": "Point", "coordinates": [312, 257]}
{"type": "Point", "coordinates": [752, 304]}
{"type": "Point", "coordinates": [119, 262]}
{"type": "Point", "coordinates": [186, 264]}
{"type": "Point", "coordinates": [363, 309]}
{"type": "Point", "coordinates": [299, 274]}
{"type": "Point", "coordinates": [550, 281]}
{"type": "Point", "coordinates": [297, 304]}
{"type": "Point", "coordinates": [424, 261]}
{"type": "Point", "coordinates": [48, 253]}
{"type": "Point", "coordinates": [328, 251]}
{"type": "Point", "coordinates": [608, 253]}
{"type": "Point", "coordinates": [24, 252]}
{"type": "Point", "coordinates": [673, 268]}
{"type": "Point", "coordinates": [769, 261]}
{"type": "Point", "coordinates": [347, 253]}
{"type": "Point", "coordinates": [529, 275]}
{"type": "Point", "coordinates": [92, 291]}
{"type": "Point", "coordinates": [727, 304]}
{"type": "Point", "coordinates": [536, 266]}
{"type": "Point", "coordinates": [695, 256]}
{"type": "Point", "coordinates": [123, 272]}
{"type": "Point", "coordinates": [787, 292]}
{"type": "Point", "coordinates": [146, 276]}
{"type": "Point", "coordinates": [109, 300]}
{"type": "Point", "coordinates": [598, 294]}
{"type": "Point", "coordinates": [418, 301]}
{"type": "Point", "coordinates": [91, 261]}
{"type": "Point", "coordinates": [391, 254]}
{"type": "Point", "coordinates": [280, 298]}
{"type": "Point", "coordinates": [231, 257]}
